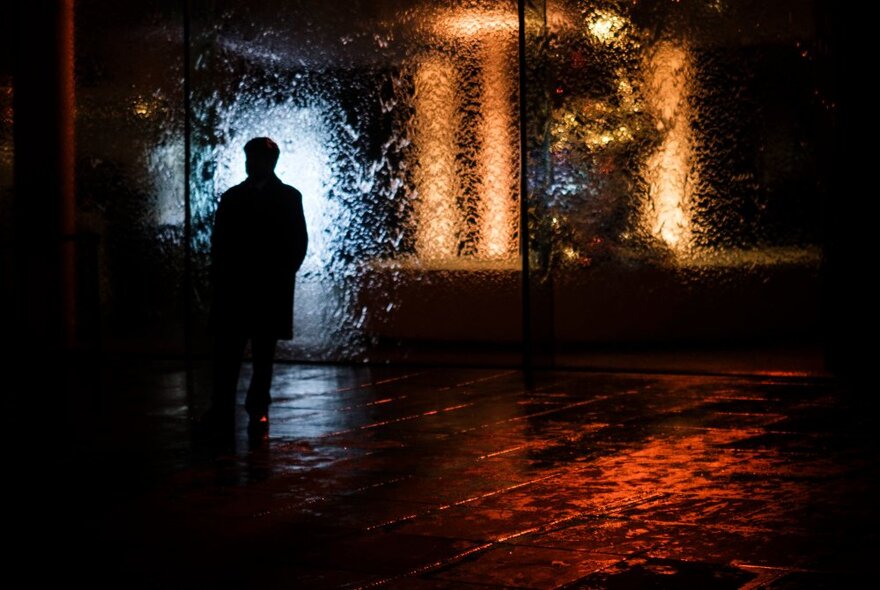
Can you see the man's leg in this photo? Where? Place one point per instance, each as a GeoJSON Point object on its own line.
{"type": "Point", "coordinates": [258, 396]}
{"type": "Point", "coordinates": [228, 354]}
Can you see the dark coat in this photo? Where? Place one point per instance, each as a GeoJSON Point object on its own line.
{"type": "Point", "coordinates": [258, 244]}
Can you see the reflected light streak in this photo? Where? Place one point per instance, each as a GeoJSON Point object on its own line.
{"type": "Point", "coordinates": [435, 178]}
{"type": "Point", "coordinates": [670, 467]}
{"type": "Point", "coordinates": [668, 170]}
{"type": "Point", "coordinates": [498, 202]}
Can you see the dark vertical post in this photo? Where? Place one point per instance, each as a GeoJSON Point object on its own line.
{"type": "Point", "coordinates": [187, 197]}
{"type": "Point", "coordinates": [39, 388]}
{"type": "Point", "coordinates": [66, 172]}
{"type": "Point", "coordinates": [524, 195]}
{"type": "Point", "coordinates": [848, 295]}
{"type": "Point", "coordinates": [45, 223]}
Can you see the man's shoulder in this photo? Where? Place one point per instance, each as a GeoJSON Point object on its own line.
{"type": "Point", "coordinates": [289, 191]}
{"type": "Point", "coordinates": [242, 193]}
{"type": "Point", "coordinates": [239, 191]}
{"type": "Point", "coordinates": [286, 196]}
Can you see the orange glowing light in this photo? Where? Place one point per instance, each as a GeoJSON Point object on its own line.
{"type": "Point", "coordinates": [784, 373]}
{"type": "Point", "coordinates": [143, 108]}
{"type": "Point", "coordinates": [492, 37]}
{"type": "Point", "coordinates": [498, 202]}
{"type": "Point", "coordinates": [669, 170]}
{"type": "Point", "coordinates": [435, 125]}
{"type": "Point", "coordinates": [476, 23]}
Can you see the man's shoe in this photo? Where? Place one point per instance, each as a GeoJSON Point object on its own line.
{"type": "Point", "coordinates": [257, 411]}
{"type": "Point", "coordinates": [259, 417]}
{"type": "Point", "coordinates": [258, 427]}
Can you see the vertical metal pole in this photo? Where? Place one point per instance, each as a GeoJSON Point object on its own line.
{"type": "Point", "coordinates": [44, 205]}
{"type": "Point", "coordinates": [187, 197]}
{"type": "Point", "coordinates": [524, 196]}
{"type": "Point", "coordinates": [66, 168]}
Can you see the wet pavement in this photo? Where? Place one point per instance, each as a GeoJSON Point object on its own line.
{"type": "Point", "coordinates": [464, 478]}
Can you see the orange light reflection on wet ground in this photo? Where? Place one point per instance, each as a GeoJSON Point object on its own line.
{"type": "Point", "coordinates": [465, 477]}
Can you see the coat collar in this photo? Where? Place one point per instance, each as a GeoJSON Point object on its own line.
{"type": "Point", "coordinates": [259, 185]}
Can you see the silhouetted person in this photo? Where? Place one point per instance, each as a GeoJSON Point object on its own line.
{"type": "Point", "coordinates": [258, 244]}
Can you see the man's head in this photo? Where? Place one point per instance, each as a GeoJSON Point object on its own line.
{"type": "Point", "coordinates": [262, 155]}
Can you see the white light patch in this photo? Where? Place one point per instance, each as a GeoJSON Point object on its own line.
{"type": "Point", "coordinates": [165, 164]}
{"type": "Point", "coordinates": [304, 164]}
{"type": "Point", "coordinates": [311, 155]}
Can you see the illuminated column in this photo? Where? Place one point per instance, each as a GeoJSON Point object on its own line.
{"type": "Point", "coordinates": [669, 169]}
{"type": "Point", "coordinates": [435, 125]}
{"type": "Point", "coordinates": [498, 192]}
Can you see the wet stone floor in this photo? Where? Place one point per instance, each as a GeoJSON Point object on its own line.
{"type": "Point", "coordinates": [465, 478]}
